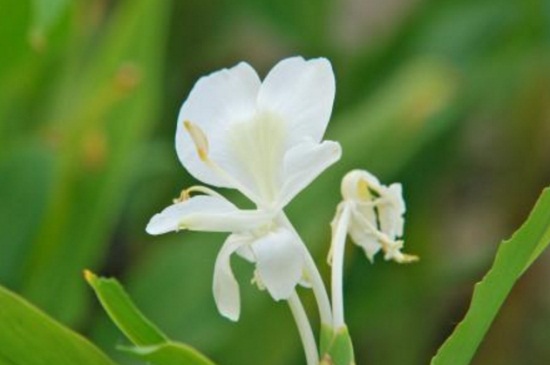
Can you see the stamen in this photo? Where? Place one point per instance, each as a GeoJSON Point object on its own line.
{"type": "Point", "coordinates": [199, 139]}
{"type": "Point", "coordinates": [388, 245]}
{"type": "Point", "coordinates": [186, 193]}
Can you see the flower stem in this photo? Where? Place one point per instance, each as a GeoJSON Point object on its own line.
{"type": "Point", "coordinates": [319, 290]}
{"type": "Point", "coordinates": [304, 329]}
{"type": "Point", "coordinates": [338, 246]}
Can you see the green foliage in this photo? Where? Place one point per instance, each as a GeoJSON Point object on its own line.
{"type": "Point", "coordinates": [151, 344]}
{"type": "Point", "coordinates": [513, 258]}
{"type": "Point", "coordinates": [29, 337]}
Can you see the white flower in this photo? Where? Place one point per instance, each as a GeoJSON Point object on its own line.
{"type": "Point", "coordinates": [265, 140]}
{"type": "Point", "coordinates": [372, 214]}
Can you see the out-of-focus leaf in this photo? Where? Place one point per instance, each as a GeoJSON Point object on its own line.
{"type": "Point", "coordinates": [29, 337]}
{"type": "Point", "coordinates": [301, 19]}
{"type": "Point", "coordinates": [46, 13]}
{"type": "Point", "coordinates": [513, 257]}
{"type": "Point", "coordinates": [25, 179]}
{"type": "Point", "coordinates": [151, 344]}
{"type": "Point", "coordinates": [113, 104]}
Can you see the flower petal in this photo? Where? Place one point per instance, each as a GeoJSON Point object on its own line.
{"type": "Point", "coordinates": [205, 213]}
{"type": "Point", "coordinates": [279, 262]}
{"type": "Point", "coordinates": [361, 235]}
{"type": "Point", "coordinates": [301, 93]}
{"type": "Point", "coordinates": [225, 287]}
{"type": "Point", "coordinates": [216, 100]}
{"type": "Point", "coordinates": [390, 214]}
{"type": "Point", "coordinates": [303, 163]}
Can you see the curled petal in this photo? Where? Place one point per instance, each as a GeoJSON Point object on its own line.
{"type": "Point", "coordinates": [303, 163]}
{"type": "Point", "coordinates": [205, 213]}
{"type": "Point", "coordinates": [363, 235]}
{"type": "Point", "coordinates": [302, 93]}
{"type": "Point", "coordinates": [279, 262]}
{"type": "Point", "coordinates": [225, 287]}
{"type": "Point", "coordinates": [390, 212]}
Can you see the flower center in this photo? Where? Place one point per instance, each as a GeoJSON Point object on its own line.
{"type": "Point", "coordinates": [258, 144]}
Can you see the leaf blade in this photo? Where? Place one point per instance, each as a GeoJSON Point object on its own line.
{"type": "Point", "coordinates": [151, 344]}
{"type": "Point", "coordinates": [30, 337]}
{"type": "Point", "coordinates": [514, 256]}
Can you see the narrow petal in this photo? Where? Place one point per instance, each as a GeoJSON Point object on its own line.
{"type": "Point", "coordinates": [303, 163]}
{"type": "Point", "coordinates": [279, 262]}
{"type": "Point", "coordinates": [363, 236]}
{"type": "Point", "coordinates": [391, 210]}
{"type": "Point", "coordinates": [225, 287]}
{"type": "Point", "coordinates": [301, 93]}
{"type": "Point", "coordinates": [216, 100]}
{"type": "Point", "coordinates": [205, 213]}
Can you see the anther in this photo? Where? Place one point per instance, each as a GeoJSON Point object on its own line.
{"type": "Point", "coordinates": [199, 139]}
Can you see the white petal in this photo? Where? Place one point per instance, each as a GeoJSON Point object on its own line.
{"type": "Point", "coordinates": [225, 287]}
{"type": "Point", "coordinates": [279, 262]}
{"type": "Point", "coordinates": [357, 183]}
{"type": "Point", "coordinates": [205, 213]}
{"type": "Point", "coordinates": [362, 235]}
{"type": "Point", "coordinates": [390, 213]}
{"type": "Point", "coordinates": [303, 163]}
{"type": "Point", "coordinates": [216, 101]}
{"type": "Point", "coordinates": [302, 93]}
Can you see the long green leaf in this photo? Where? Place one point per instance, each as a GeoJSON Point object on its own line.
{"type": "Point", "coordinates": [151, 344]}
{"type": "Point", "coordinates": [29, 337]}
{"type": "Point", "coordinates": [513, 258]}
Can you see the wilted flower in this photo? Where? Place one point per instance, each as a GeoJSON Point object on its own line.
{"type": "Point", "coordinates": [373, 215]}
{"type": "Point", "coordinates": [265, 140]}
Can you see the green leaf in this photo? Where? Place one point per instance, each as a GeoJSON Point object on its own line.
{"type": "Point", "coordinates": [29, 337]}
{"type": "Point", "coordinates": [513, 258]}
{"type": "Point", "coordinates": [169, 353]}
{"type": "Point", "coordinates": [151, 344]}
{"type": "Point", "coordinates": [336, 347]}
{"type": "Point", "coordinates": [25, 176]}
{"type": "Point", "coordinates": [46, 13]}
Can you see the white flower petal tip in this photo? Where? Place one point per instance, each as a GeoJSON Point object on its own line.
{"type": "Point", "coordinates": [225, 287]}
{"type": "Point", "coordinates": [236, 131]}
{"type": "Point", "coordinates": [205, 213]}
{"type": "Point", "coordinates": [376, 215]}
{"type": "Point", "coordinates": [279, 262]}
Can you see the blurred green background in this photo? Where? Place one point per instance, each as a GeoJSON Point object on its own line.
{"type": "Point", "coordinates": [451, 98]}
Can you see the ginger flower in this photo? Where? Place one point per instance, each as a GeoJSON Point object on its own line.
{"type": "Point", "coordinates": [372, 214]}
{"type": "Point", "coordinates": [265, 140]}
